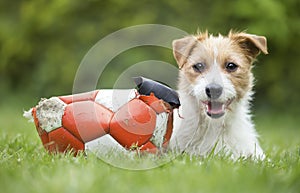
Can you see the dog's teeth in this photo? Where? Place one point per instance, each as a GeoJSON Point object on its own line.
{"type": "Point", "coordinates": [207, 108]}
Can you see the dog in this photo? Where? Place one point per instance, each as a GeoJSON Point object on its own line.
{"type": "Point", "coordinates": [215, 89]}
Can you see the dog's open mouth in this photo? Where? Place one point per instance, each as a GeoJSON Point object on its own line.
{"type": "Point", "coordinates": [216, 109]}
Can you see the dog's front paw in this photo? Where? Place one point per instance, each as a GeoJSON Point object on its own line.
{"type": "Point", "coordinates": [256, 154]}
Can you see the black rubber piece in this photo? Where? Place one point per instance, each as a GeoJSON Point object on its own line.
{"type": "Point", "coordinates": [147, 86]}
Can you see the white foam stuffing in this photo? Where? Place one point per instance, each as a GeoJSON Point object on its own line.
{"type": "Point", "coordinates": [28, 115]}
{"type": "Point", "coordinates": [49, 113]}
{"type": "Point", "coordinates": [160, 129]}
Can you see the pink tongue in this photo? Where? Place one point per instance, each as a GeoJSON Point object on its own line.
{"type": "Point", "coordinates": [215, 107]}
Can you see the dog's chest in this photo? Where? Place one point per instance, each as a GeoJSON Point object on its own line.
{"type": "Point", "coordinates": [198, 132]}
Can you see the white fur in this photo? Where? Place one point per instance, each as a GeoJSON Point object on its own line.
{"type": "Point", "coordinates": [198, 134]}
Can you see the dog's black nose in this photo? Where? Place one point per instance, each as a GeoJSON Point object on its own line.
{"type": "Point", "coordinates": [213, 90]}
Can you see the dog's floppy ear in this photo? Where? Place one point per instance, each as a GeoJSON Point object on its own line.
{"type": "Point", "coordinates": [182, 49]}
{"type": "Point", "coordinates": [252, 44]}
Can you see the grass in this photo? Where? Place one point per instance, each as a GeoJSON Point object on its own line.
{"type": "Point", "coordinates": [26, 167]}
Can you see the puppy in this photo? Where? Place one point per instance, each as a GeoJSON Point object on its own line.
{"type": "Point", "coordinates": [215, 88]}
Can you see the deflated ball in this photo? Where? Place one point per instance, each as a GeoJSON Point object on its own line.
{"type": "Point", "coordinates": [133, 120]}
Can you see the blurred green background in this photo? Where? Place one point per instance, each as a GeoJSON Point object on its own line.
{"type": "Point", "coordinates": [43, 42]}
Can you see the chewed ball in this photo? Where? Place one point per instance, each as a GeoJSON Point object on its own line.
{"type": "Point", "coordinates": [131, 120]}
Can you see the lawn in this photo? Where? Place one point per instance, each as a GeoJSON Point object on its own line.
{"type": "Point", "coordinates": [26, 167]}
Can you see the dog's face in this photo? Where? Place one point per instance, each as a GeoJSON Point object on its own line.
{"type": "Point", "coordinates": [217, 70]}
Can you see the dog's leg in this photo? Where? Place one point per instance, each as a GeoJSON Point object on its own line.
{"type": "Point", "coordinates": [241, 138]}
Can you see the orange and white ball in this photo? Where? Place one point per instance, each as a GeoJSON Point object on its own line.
{"type": "Point", "coordinates": [117, 118]}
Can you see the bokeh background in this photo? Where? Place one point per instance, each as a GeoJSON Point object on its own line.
{"type": "Point", "coordinates": [43, 42]}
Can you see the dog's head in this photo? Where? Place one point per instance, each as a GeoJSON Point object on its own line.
{"type": "Point", "coordinates": [217, 69]}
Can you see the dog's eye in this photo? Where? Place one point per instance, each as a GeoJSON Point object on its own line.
{"type": "Point", "coordinates": [231, 67]}
{"type": "Point", "coordinates": [199, 67]}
